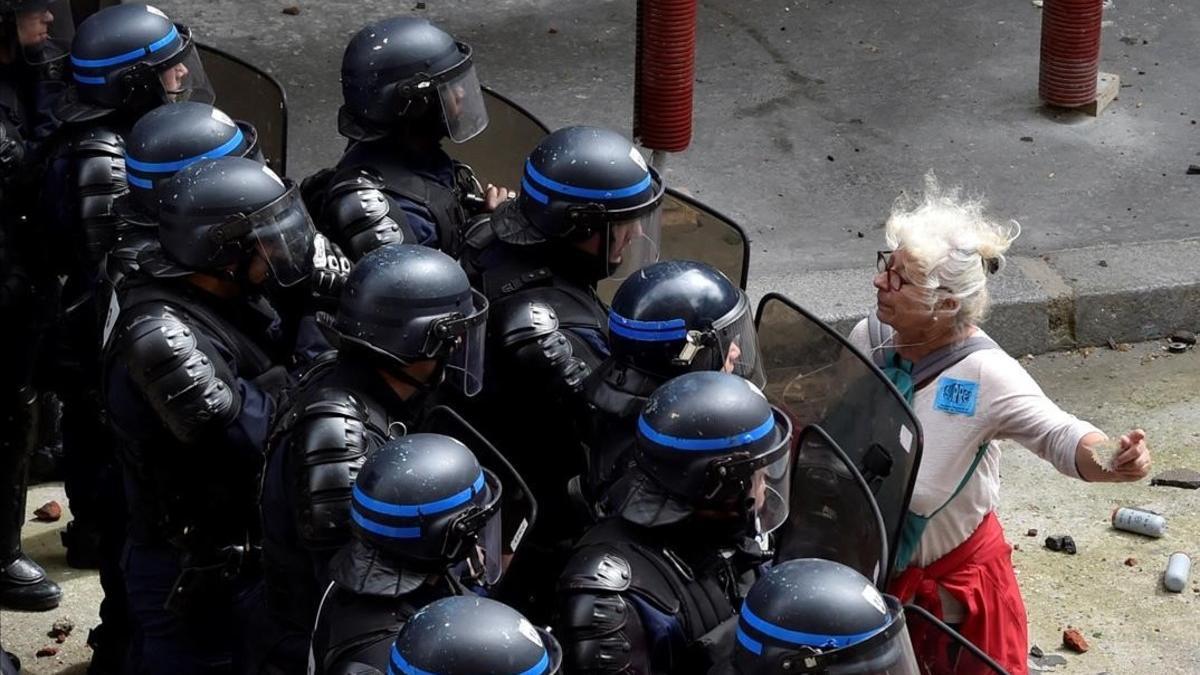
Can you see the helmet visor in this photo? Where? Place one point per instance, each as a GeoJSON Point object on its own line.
{"type": "Point", "coordinates": [44, 31]}
{"type": "Point", "coordinates": [183, 78]}
{"type": "Point", "coordinates": [737, 345]}
{"type": "Point", "coordinates": [462, 105]}
{"type": "Point", "coordinates": [284, 234]}
{"type": "Point", "coordinates": [478, 538]}
{"type": "Point", "coordinates": [634, 243]}
{"type": "Point", "coordinates": [769, 488]}
{"type": "Point", "coordinates": [464, 368]}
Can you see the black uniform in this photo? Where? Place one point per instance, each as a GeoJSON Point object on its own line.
{"type": "Point", "coordinates": [404, 308]}
{"type": "Point", "coordinates": [192, 378]}
{"type": "Point", "coordinates": [652, 589]}
{"type": "Point", "coordinates": [406, 84]}
{"type": "Point", "coordinates": [28, 88]}
{"type": "Point", "coordinates": [588, 207]}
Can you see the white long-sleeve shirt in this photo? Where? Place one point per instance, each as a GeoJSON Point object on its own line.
{"type": "Point", "coordinates": [1008, 405]}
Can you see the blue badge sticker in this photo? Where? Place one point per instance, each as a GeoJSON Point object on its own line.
{"type": "Point", "coordinates": [956, 397]}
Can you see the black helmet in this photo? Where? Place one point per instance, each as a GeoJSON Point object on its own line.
{"type": "Point", "coordinates": [405, 303]}
{"type": "Point", "coordinates": [818, 616]}
{"type": "Point", "coordinates": [708, 441]}
{"type": "Point", "coordinates": [54, 29]}
{"type": "Point", "coordinates": [467, 635]}
{"type": "Point", "coordinates": [405, 69]}
{"type": "Point", "coordinates": [679, 316]}
{"type": "Point", "coordinates": [217, 212]}
{"type": "Point", "coordinates": [582, 180]}
{"type": "Point", "coordinates": [124, 57]}
{"type": "Point", "coordinates": [172, 137]}
{"type": "Point", "coordinates": [424, 502]}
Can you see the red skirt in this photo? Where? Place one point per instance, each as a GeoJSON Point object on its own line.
{"type": "Point", "coordinates": [979, 574]}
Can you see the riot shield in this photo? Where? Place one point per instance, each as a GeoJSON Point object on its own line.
{"type": "Point", "coordinates": [818, 378]}
{"type": "Point", "coordinates": [940, 650]}
{"type": "Point", "coordinates": [498, 153]}
{"type": "Point", "coordinates": [518, 506]}
{"type": "Point", "coordinates": [835, 517]}
{"type": "Point", "coordinates": [247, 93]}
{"type": "Point", "coordinates": [690, 229]}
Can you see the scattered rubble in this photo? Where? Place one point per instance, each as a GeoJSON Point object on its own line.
{"type": "Point", "coordinates": [48, 650]}
{"type": "Point", "coordinates": [1061, 542]}
{"type": "Point", "coordinates": [49, 512]}
{"type": "Point", "coordinates": [1184, 336]}
{"type": "Point", "coordinates": [292, 10]}
{"type": "Point", "coordinates": [1036, 652]}
{"type": "Point", "coordinates": [1131, 562]}
{"type": "Point", "coordinates": [1031, 532]}
{"type": "Point", "coordinates": [61, 630]}
{"type": "Point", "coordinates": [1187, 479]}
{"type": "Point", "coordinates": [1073, 640]}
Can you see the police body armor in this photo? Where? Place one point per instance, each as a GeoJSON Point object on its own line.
{"type": "Point", "coordinates": [365, 628]}
{"type": "Point", "coordinates": [325, 428]}
{"type": "Point", "coordinates": [169, 333]}
{"type": "Point", "coordinates": [634, 603]}
{"type": "Point", "coordinates": [614, 394]}
{"type": "Point", "coordinates": [362, 205]}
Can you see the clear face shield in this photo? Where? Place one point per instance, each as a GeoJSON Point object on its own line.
{"type": "Point", "coordinates": [763, 482]}
{"type": "Point", "coordinates": [477, 537]}
{"type": "Point", "coordinates": [183, 77]}
{"type": "Point", "coordinates": [45, 32]}
{"type": "Point", "coordinates": [283, 235]}
{"type": "Point", "coordinates": [734, 341]}
{"type": "Point", "coordinates": [634, 243]}
{"type": "Point", "coordinates": [461, 99]}
{"type": "Point", "coordinates": [466, 336]}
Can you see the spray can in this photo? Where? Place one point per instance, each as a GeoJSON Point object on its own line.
{"type": "Point", "coordinates": [1139, 521]}
{"type": "Point", "coordinates": [1179, 568]}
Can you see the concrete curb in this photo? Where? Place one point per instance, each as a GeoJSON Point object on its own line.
{"type": "Point", "coordinates": [1061, 300]}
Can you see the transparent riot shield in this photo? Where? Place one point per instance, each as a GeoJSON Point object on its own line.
{"type": "Point", "coordinates": [518, 506]}
{"type": "Point", "coordinates": [818, 378]}
{"type": "Point", "coordinates": [249, 94]}
{"type": "Point", "coordinates": [497, 154]}
{"type": "Point", "coordinates": [834, 516]}
{"type": "Point", "coordinates": [940, 650]}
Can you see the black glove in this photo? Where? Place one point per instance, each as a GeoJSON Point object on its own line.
{"type": "Point", "coordinates": [12, 153]}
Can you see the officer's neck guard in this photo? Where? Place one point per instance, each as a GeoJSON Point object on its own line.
{"type": "Point", "coordinates": [365, 570]}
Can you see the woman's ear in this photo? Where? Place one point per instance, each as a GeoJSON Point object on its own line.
{"type": "Point", "coordinates": [948, 304]}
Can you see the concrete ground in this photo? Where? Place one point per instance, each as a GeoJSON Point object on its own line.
{"type": "Point", "coordinates": [1132, 624]}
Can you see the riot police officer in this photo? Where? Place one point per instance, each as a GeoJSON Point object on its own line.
{"type": "Point", "coordinates": [671, 318]}
{"type": "Point", "coordinates": [646, 587]}
{"type": "Point", "coordinates": [408, 319]}
{"type": "Point", "coordinates": [406, 85]}
{"type": "Point", "coordinates": [426, 524]}
{"type": "Point", "coordinates": [29, 65]}
{"type": "Point", "coordinates": [125, 60]}
{"type": "Point", "coordinates": [817, 616]}
{"type": "Point", "coordinates": [466, 635]}
{"type": "Point", "coordinates": [588, 210]}
{"type": "Point", "coordinates": [193, 368]}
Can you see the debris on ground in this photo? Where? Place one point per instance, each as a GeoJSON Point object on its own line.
{"type": "Point", "coordinates": [1131, 562]}
{"type": "Point", "coordinates": [1027, 139]}
{"type": "Point", "coordinates": [1184, 336]}
{"type": "Point", "coordinates": [1187, 479]}
{"type": "Point", "coordinates": [1193, 170]}
{"type": "Point", "coordinates": [48, 650]}
{"type": "Point", "coordinates": [1031, 532]}
{"type": "Point", "coordinates": [1036, 652]}
{"type": "Point", "coordinates": [1073, 640]}
{"type": "Point", "coordinates": [292, 10]}
{"type": "Point", "coordinates": [1061, 542]}
{"type": "Point", "coordinates": [61, 630]}
{"type": "Point", "coordinates": [1178, 347]}
{"type": "Point", "coordinates": [49, 512]}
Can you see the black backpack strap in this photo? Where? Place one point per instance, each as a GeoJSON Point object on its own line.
{"type": "Point", "coordinates": [934, 364]}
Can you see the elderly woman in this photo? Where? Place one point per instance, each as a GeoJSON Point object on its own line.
{"type": "Point", "coordinates": [968, 393]}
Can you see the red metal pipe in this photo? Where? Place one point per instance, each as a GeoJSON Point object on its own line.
{"type": "Point", "coordinates": [664, 74]}
{"type": "Point", "coordinates": [1070, 60]}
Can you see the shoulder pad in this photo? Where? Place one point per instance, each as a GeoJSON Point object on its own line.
{"type": "Point", "coordinates": [97, 140]}
{"type": "Point", "coordinates": [596, 568]}
{"type": "Point", "coordinates": [519, 320]}
{"type": "Point", "coordinates": [330, 433]}
{"type": "Point", "coordinates": [356, 213]}
{"type": "Point", "coordinates": [190, 390]}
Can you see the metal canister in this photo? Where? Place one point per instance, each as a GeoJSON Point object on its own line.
{"type": "Point", "coordinates": [1139, 521]}
{"type": "Point", "coordinates": [1179, 569]}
